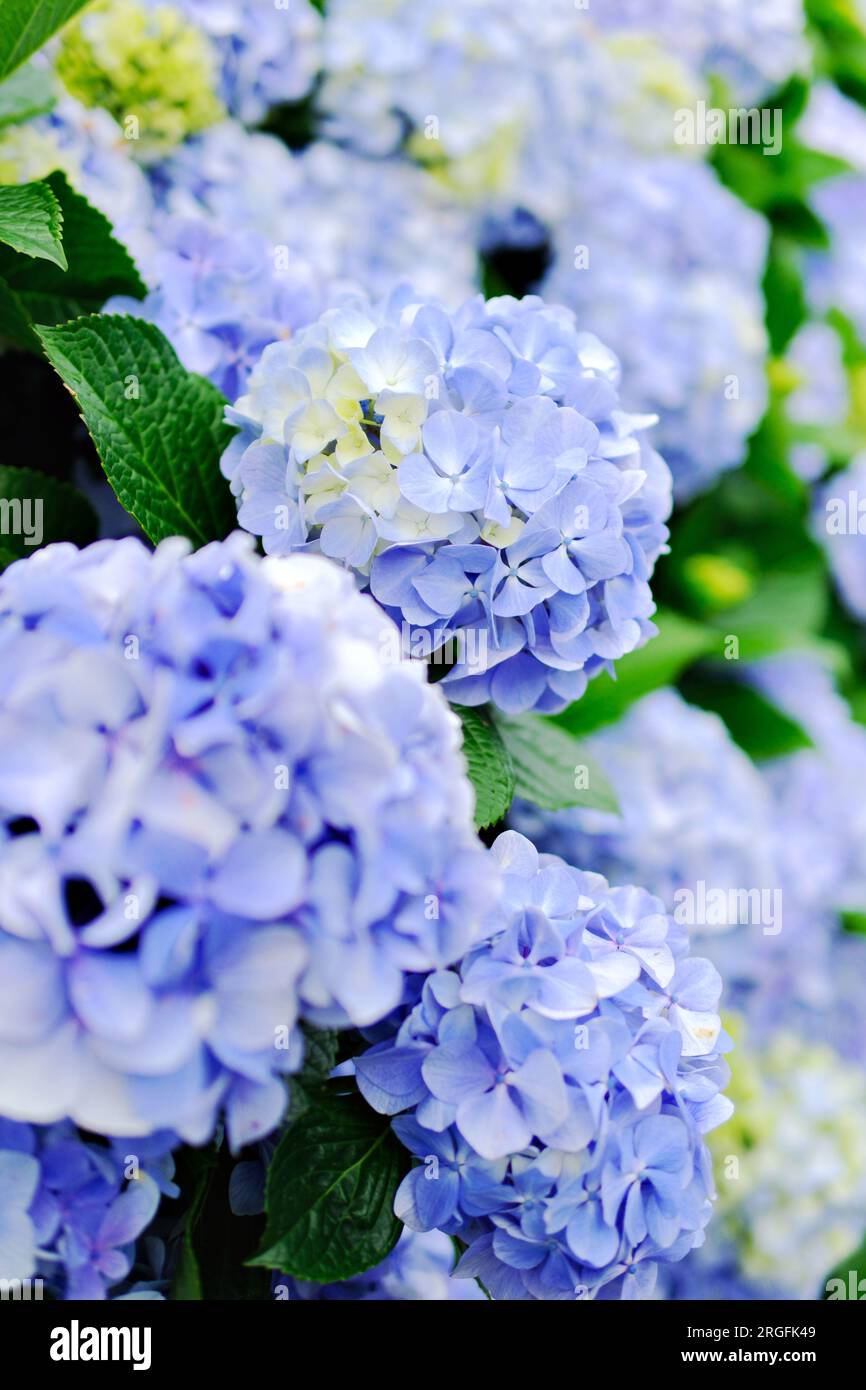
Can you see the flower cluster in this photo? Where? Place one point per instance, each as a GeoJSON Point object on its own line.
{"type": "Point", "coordinates": [476, 472]}
{"type": "Point", "coordinates": [671, 263]}
{"type": "Point", "coordinates": [693, 806]}
{"type": "Point", "coordinates": [221, 297]}
{"type": "Point", "coordinates": [419, 1268]}
{"type": "Point", "coordinates": [223, 799]}
{"type": "Point", "coordinates": [819, 398]}
{"type": "Point", "coordinates": [809, 972]}
{"type": "Point", "coordinates": [453, 81]}
{"type": "Point", "coordinates": [839, 524]}
{"type": "Point", "coordinates": [836, 275]}
{"type": "Point", "coordinates": [71, 1209]}
{"type": "Point", "coordinates": [558, 1087]}
{"type": "Point", "coordinates": [500, 105]}
{"type": "Point", "coordinates": [316, 204]}
{"type": "Point", "coordinates": [149, 68]}
{"type": "Point", "coordinates": [267, 53]}
{"type": "Point", "coordinates": [754, 48]}
{"type": "Point", "coordinates": [793, 1201]}
{"type": "Point", "coordinates": [818, 791]}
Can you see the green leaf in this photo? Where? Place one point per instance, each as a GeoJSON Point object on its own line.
{"type": "Point", "coordinates": [44, 508]}
{"type": "Point", "coordinates": [26, 24]}
{"type": "Point", "coordinates": [330, 1191]}
{"type": "Point", "coordinates": [31, 221]}
{"type": "Point", "coordinates": [27, 93]}
{"type": "Point", "coordinates": [158, 428]}
{"type": "Point", "coordinates": [99, 267]}
{"type": "Point", "coordinates": [759, 727]}
{"type": "Point", "coordinates": [320, 1055]}
{"type": "Point", "coordinates": [553, 770]}
{"type": "Point", "coordinates": [679, 643]}
{"type": "Point", "coordinates": [491, 771]}
{"type": "Point", "coordinates": [854, 922]}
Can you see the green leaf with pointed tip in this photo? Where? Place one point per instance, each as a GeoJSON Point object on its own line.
{"type": "Point", "coordinates": [31, 221]}
{"type": "Point", "coordinates": [552, 769]}
{"type": "Point", "coordinates": [330, 1191]}
{"type": "Point", "coordinates": [99, 267]}
{"type": "Point", "coordinates": [26, 24]}
{"type": "Point", "coordinates": [27, 93]}
{"type": "Point", "coordinates": [158, 428]}
{"type": "Point", "coordinates": [491, 771]}
{"type": "Point", "coordinates": [42, 508]}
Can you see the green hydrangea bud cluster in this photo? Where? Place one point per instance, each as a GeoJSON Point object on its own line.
{"type": "Point", "coordinates": [152, 70]}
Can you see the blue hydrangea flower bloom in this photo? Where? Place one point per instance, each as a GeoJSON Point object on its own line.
{"type": "Point", "coordinates": [557, 1088]}
{"type": "Point", "coordinates": [476, 472]}
{"type": "Point", "coordinates": [671, 263]}
{"type": "Point", "coordinates": [317, 204]}
{"type": "Point", "coordinates": [753, 47]}
{"type": "Point", "coordinates": [807, 975]}
{"type": "Point", "coordinates": [820, 787]}
{"type": "Point", "coordinates": [820, 396]}
{"type": "Point", "coordinates": [836, 276]}
{"type": "Point", "coordinates": [224, 799]}
{"type": "Point", "coordinates": [839, 524]}
{"type": "Point", "coordinates": [68, 1215]}
{"type": "Point", "coordinates": [693, 807]}
{"type": "Point", "coordinates": [419, 1269]}
{"type": "Point", "coordinates": [500, 103]}
{"type": "Point", "coordinates": [220, 297]}
{"type": "Point", "coordinates": [266, 53]}
{"type": "Point", "coordinates": [834, 124]}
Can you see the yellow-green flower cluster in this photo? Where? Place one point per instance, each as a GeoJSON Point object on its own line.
{"type": "Point", "coordinates": [790, 1164]}
{"type": "Point", "coordinates": [152, 70]}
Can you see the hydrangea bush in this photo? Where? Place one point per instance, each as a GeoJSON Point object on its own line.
{"type": "Point", "coordinates": [290, 1009]}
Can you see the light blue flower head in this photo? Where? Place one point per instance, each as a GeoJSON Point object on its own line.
{"type": "Point", "coordinates": [224, 800]}
{"type": "Point", "coordinates": [221, 296]}
{"type": "Point", "coordinates": [476, 472]}
{"type": "Point", "coordinates": [839, 524]}
{"type": "Point", "coordinates": [315, 204]}
{"type": "Point", "coordinates": [71, 1208]}
{"type": "Point", "coordinates": [556, 1088]}
{"type": "Point", "coordinates": [671, 263]}
{"type": "Point", "coordinates": [754, 48]}
{"type": "Point", "coordinates": [694, 808]}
